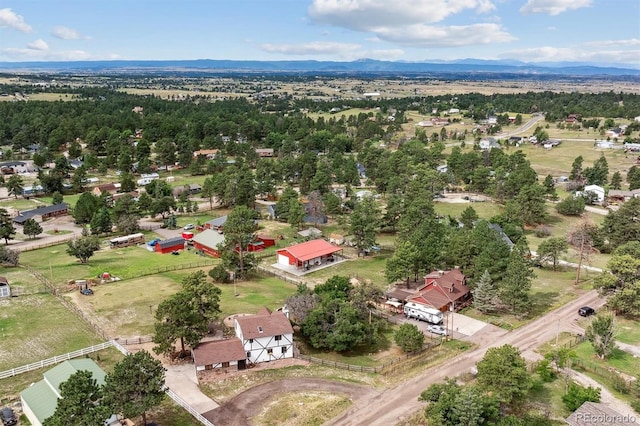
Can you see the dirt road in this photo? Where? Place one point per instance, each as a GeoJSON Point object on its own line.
{"type": "Point", "coordinates": [395, 404]}
{"type": "Point", "coordinates": [239, 410]}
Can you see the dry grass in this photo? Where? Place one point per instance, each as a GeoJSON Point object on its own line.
{"type": "Point", "coordinates": [301, 408]}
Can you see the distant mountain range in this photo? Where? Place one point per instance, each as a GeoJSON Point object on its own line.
{"type": "Point", "coordinates": [475, 67]}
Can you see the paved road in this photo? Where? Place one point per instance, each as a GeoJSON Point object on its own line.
{"type": "Point", "coordinates": [396, 404]}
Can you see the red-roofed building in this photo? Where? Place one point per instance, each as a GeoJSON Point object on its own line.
{"type": "Point", "coordinates": [306, 255]}
{"type": "Point", "coordinates": [443, 290]}
{"type": "Point", "coordinates": [222, 355]}
{"type": "Point", "coordinates": [266, 336]}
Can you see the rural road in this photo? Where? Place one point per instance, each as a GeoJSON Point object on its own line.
{"type": "Point", "coordinates": [398, 403]}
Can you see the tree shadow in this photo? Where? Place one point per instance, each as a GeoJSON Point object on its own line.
{"type": "Point", "coordinates": [540, 302]}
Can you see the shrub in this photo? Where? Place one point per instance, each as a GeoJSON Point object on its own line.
{"type": "Point", "coordinates": [542, 231]}
{"type": "Point", "coordinates": [578, 395]}
{"type": "Point", "coordinates": [409, 337]}
{"type": "Point", "coordinates": [619, 384]}
{"type": "Point", "coordinates": [571, 206]}
{"type": "Point", "coordinates": [220, 274]}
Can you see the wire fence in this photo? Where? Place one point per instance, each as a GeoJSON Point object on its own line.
{"type": "Point", "coordinates": [364, 369]}
{"type": "Point", "coordinates": [73, 308]}
{"type": "Point", "coordinates": [134, 340]}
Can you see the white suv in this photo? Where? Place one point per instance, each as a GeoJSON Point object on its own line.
{"type": "Point", "coordinates": [437, 329]}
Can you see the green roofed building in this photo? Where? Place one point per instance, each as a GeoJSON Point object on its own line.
{"type": "Point", "coordinates": [39, 401]}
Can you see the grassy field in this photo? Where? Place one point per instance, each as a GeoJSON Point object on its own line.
{"type": "Point", "coordinates": [125, 263]}
{"type": "Point", "coordinates": [20, 204]}
{"type": "Point", "coordinates": [549, 291]}
{"type": "Point", "coordinates": [35, 327]}
{"type": "Point", "coordinates": [370, 268]}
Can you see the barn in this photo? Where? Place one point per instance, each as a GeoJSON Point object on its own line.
{"type": "Point", "coordinates": [42, 213]}
{"type": "Point", "coordinates": [207, 242]}
{"type": "Point", "coordinates": [221, 355]}
{"type": "Point", "coordinates": [172, 244]}
{"type": "Point", "coordinates": [308, 254]}
{"type": "Point", "coordinates": [216, 223]}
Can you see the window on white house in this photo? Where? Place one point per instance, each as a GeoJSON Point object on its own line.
{"type": "Point", "coordinates": [284, 349]}
{"type": "Point", "coordinates": [278, 337]}
{"type": "Point", "coordinates": [250, 340]}
{"type": "Point", "coordinates": [270, 351]}
{"type": "Point", "coordinates": [248, 354]}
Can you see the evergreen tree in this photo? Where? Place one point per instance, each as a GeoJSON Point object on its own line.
{"type": "Point", "coordinates": [550, 187]}
{"type": "Point", "coordinates": [31, 228]}
{"type": "Point", "coordinates": [295, 213]}
{"type": "Point", "coordinates": [516, 282]}
{"type": "Point", "coordinates": [7, 230]}
{"type": "Point", "coordinates": [616, 180]}
{"type": "Point", "coordinates": [135, 385]}
{"type": "Point", "coordinates": [79, 402]}
{"type": "Point", "coordinates": [485, 295]}
{"type": "Point", "coordinates": [101, 222]}
{"type": "Point", "coordinates": [364, 223]}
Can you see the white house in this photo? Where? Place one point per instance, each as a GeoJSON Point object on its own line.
{"type": "Point", "coordinates": [266, 336]}
{"type": "Point", "coordinates": [598, 190]}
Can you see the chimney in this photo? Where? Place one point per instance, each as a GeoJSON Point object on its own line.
{"type": "Point", "coordinates": [451, 288]}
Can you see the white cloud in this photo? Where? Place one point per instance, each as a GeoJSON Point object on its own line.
{"type": "Point", "coordinates": [9, 19]}
{"type": "Point", "coordinates": [38, 45]}
{"type": "Point", "coordinates": [312, 48]}
{"type": "Point", "coordinates": [441, 36]}
{"type": "Point", "coordinates": [362, 15]}
{"type": "Point", "coordinates": [629, 42]}
{"type": "Point", "coordinates": [553, 7]}
{"type": "Point", "coordinates": [14, 53]}
{"type": "Point", "coordinates": [556, 54]}
{"type": "Point", "coordinates": [65, 33]}
{"type": "Point", "coordinates": [384, 54]}
{"type": "Point", "coordinates": [408, 23]}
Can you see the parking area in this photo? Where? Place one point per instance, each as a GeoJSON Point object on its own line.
{"type": "Point", "coordinates": [459, 326]}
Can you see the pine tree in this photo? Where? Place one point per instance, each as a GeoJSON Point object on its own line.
{"type": "Point", "coordinates": [485, 296]}
{"type": "Point", "coordinates": [516, 282]}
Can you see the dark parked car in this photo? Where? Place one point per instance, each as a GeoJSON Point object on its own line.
{"type": "Point", "coordinates": [8, 417]}
{"type": "Point", "coordinates": [586, 311]}
{"type": "Point", "coordinates": [86, 291]}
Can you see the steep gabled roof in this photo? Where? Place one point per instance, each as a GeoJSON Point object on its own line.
{"type": "Point", "coordinates": [257, 326]}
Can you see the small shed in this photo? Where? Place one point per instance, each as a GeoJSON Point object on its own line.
{"type": "Point", "coordinates": [5, 290]}
{"type": "Point", "coordinates": [336, 239]}
{"type": "Point", "coordinates": [172, 244]}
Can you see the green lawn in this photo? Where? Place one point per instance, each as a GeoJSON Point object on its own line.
{"type": "Point", "coordinates": [20, 204]}
{"type": "Point", "coordinates": [628, 331]}
{"type": "Point", "coordinates": [484, 210]}
{"type": "Point", "coordinates": [126, 263]}
{"type": "Point", "coordinates": [36, 327]}
{"type": "Point", "coordinates": [619, 360]}
{"type": "Point", "coordinates": [368, 268]}
{"type": "Point", "coordinates": [549, 291]}
{"type": "Point", "coordinates": [22, 281]}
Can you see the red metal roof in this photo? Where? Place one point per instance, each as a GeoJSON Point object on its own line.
{"type": "Point", "coordinates": [311, 249]}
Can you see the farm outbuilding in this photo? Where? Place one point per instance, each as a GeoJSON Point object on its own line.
{"type": "Point", "coordinates": [172, 244]}
{"type": "Point", "coordinates": [5, 290]}
{"type": "Point", "coordinates": [221, 355]}
{"type": "Point", "coordinates": [216, 223]}
{"type": "Point", "coordinates": [39, 401]}
{"type": "Point", "coordinates": [306, 255]}
{"type": "Point", "coordinates": [207, 242]}
{"type": "Point", "coordinates": [42, 213]}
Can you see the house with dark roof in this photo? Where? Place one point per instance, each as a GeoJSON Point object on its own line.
{"type": "Point", "coordinates": [39, 400]}
{"type": "Point", "coordinates": [443, 290]}
{"type": "Point", "coordinates": [41, 214]}
{"type": "Point", "coordinates": [172, 244]}
{"type": "Point", "coordinates": [308, 254]}
{"type": "Point", "coordinates": [222, 355]}
{"type": "Point", "coordinates": [266, 336]}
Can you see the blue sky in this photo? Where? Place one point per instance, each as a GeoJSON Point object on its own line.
{"type": "Point", "coordinates": [594, 31]}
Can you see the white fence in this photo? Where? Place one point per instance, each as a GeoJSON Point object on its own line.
{"type": "Point", "coordinates": [184, 404]}
{"type": "Point", "coordinates": [81, 352]}
{"type": "Point", "coordinates": [55, 360]}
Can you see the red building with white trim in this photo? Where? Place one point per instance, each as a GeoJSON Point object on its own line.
{"type": "Point", "coordinates": [306, 255]}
